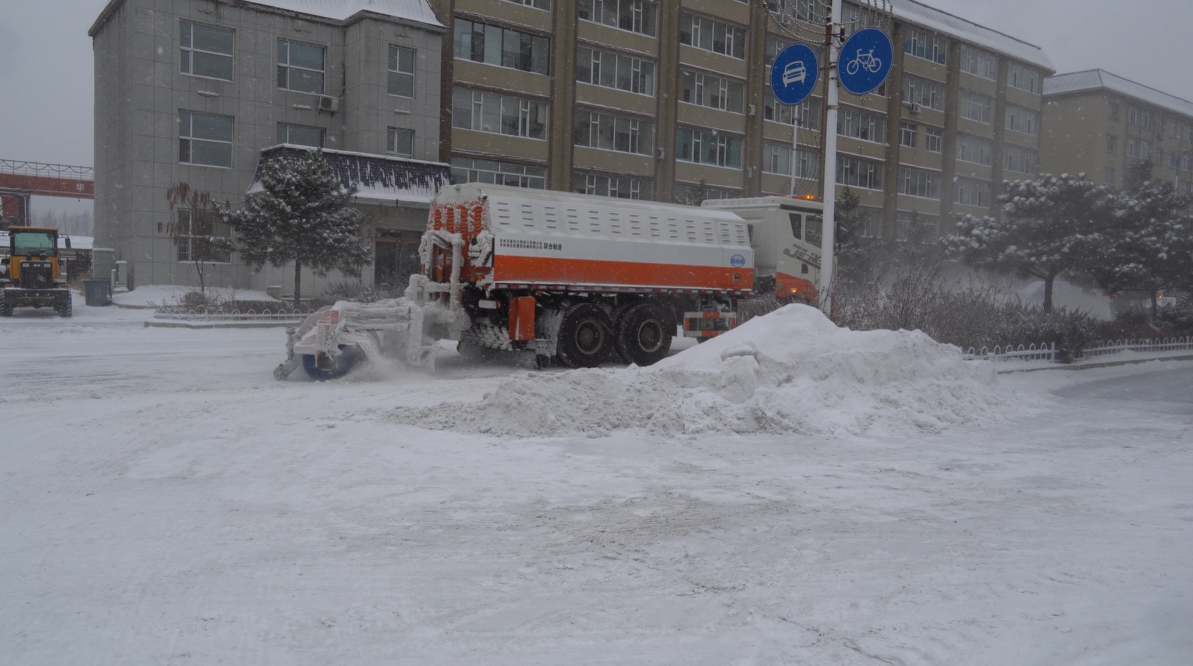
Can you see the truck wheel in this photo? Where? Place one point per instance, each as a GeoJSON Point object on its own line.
{"type": "Point", "coordinates": [5, 310]}
{"type": "Point", "coordinates": [65, 309]}
{"type": "Point", "coordinates": [340, 366]}
{"type": "Point", "coordinates": [584, 336]}
{"type": "Point", "coordinates": [644, 334]}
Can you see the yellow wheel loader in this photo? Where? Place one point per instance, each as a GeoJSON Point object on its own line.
{"type": "Point", "coordinates": [32, 274]}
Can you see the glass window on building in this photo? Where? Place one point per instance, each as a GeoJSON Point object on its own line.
{"type": "Point", "coordinates": [204, 139]}
{"type": "Point", "coordinates": [971, 192]}
{"type": "Point", "coordinates": [1023, 77]}
{"type": "Point", "coordinates": [919, 183]}
{"type": "Point", "coordinates": [1024, 121]}
{"type": "Point", "coordinates": [976, 106]}
{"type": "Point", "coordinates": [926, 45]}
{"type": "Point", "coordinates": [400, 71]}
{"type": "Point", "coordinates": [808, 11]}
{"type": "Point", "coordinates": [1020, 159]}
{"type": "Point", "coordinates": [973, 149]}
{"type": "Point", "coordinates": [498, 114]}
{"type": "Point", "coordinates": [807, 112]}
{"type": "Point", "coordinates": [869, 221]}
{"type": "Point", "coordinates": [620, 187]}
{"type": "Point", "coordinates": [914, 226]}
{"type": "Point", "coordinates": [1112, 112]}
{"type": "Point", "coordinates": [710, 35]}
{"type": "Point", "coordinates": [607, 131]}
{"type": "Point", "coordinates": [494, 172]}
{"type": "Point", "coordinates": [928, 94]}
{"type": "Point", "coordinates": [300, 135]}
{"type": "Point", "coordinates": [907, 134]}
{"type": "Point", "coordinates": [502, 47]}
{"type": "Point", "coordinates": [708, 147]}
{"type": "Point", "coordinates": [1111, 143]}
{"type": "Point", "coordinates": [614, 70]}
{"type": "Point", "coordinates": [205, 51]}
{"type": "Point", "coordinates": [978, 62]}
{"type": "Point", "coordinates": [301, 67]}
{"type": "Point", "coordinates": [861, 124]}
{"type": "Point", "coordinates": [399, 142]}
{"type": "Point", "coordinates": [776, 158]}
{"type": "Point", "coordinates": [640, 16]}
{"type": "Point", "coordinates": [859, 172]}
{"type": "Point", "coordinates": [1108, 176]}
{"type": "Point", "coordinates": [711, 91]}
{"type": "Point", "coordinates": [201, 235]}
{"type": "Point", "coordinates": [934, 139]}
{"type": "Point", "coordinates": [537, 4]}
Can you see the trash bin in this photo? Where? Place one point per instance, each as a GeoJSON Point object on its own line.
{"type": "Point", "coordinates": [96, 292]}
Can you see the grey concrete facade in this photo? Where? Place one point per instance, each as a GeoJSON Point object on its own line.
{"type": "Point", "coordinates": [141, 92]}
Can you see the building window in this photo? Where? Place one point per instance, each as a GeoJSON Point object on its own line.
{"type": "Point", "coordinates": [204, 139]}
{"type": "Point", "coordinates": [808, 11]}
{"type": "Point", "coordinates": [934, 139]}
{"type": "Point", "coordinates": [914, 225]}
{"type": "Point", "coordinates": [201, 240]}
{"type": "Point", "coordinates": [609, 132]}
{"type": "Point", "coordinates": [493, 172]}
{"type": "Point", "coordinates": [907, 134]}
{"type": "Point", "coordinates": [300, 135]}
{"type": "Point", "coordinates": [1134, 116]}
{"type": "Point", "coordinates": [205, 51]}
{"type": "Point", "coordinates": [1145, 149]}
{"type": "Point", "coordinates": [1111, 143]}
{"type": "Point", "coordinates": [300, 67]}
{"type": "Point", "coordinates": [537, 4]}
{"type": "Point", "coordinates": [854, 19]}
{"type": "Point", "coordinates": [1020, 159]}
{"type": "Point", "coordinates": [708, 147]}
{"type": "Point", "coordinates": [869, 221]}
{"type": "Point", "coordinates": [919, 183]}
{"type": "Point", "coordinates": [861, 124]}
{"type": "Point", "coordinates": [1112, 112]}
{"type": "Point", "coordinates": [1108, 176]}
{"type": "Point", "coordinates": [774, 46]}
{"type": "Point", "coordinates": [1132, 148]}
{"type": "Point", "coordinates": [929, 94]}
{"type": "Point", "coordinates": [971, 192]}
{"type": "Point", "coordinates": [637, 16]}
{"type": "Point", "coordinates": [498, 114]}
{"type": "Point", "coordinates": [857, 172]}
{"type": "Point", "coordinates": [978, 62]}
{"type": "Point", "coordinates": [973, 149]}
{"type": "Point", "coordinates": [926, 45]}
{"type": "Point", "coordinates": [399, 142]}
{"type": "Point", "coordinates": [612, 70]}
{"type": "Point", "coordinates": [502, 47]}
{"type": "Point", "coordinates": [401, 71]}
{"type": "Point", "coordinates": [776, 158]}
{"type": "Point", "coordinates": [975, 106]}
{"type": "Point", "coordinates": [711, 91]}
{"type": "Point", "coordinates": [807, 112]}
{"type": "Point", "coordinates": [709, 35]}
{"type": "Point", "coordinates": [1022, 120]}
{"type": "Point", "coordinates": [619, 187]}
{"type": "Point", "coordinates": [1023, 78]}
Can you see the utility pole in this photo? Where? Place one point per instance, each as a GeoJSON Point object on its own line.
{"type": "Point", "coordinates": [830, 157]}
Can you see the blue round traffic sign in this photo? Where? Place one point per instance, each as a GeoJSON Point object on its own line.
{"type": "Point", "coordinates": [793, 75]}
{"type": "Point", "coordinates": [865, 60]}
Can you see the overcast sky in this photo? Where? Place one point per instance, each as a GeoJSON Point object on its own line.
{"type": "Point", "coordinates": [46, 64]}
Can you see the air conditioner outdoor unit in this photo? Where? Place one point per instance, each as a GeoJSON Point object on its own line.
{"type": "Point", "coordinates": [329, 104]}
{"type": "Point", "coordinates": [916, 108]}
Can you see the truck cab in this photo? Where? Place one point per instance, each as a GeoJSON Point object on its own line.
{"type": "Point", "coordinates": [785, 233]}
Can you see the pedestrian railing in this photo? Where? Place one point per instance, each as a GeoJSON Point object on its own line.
{"type": "Point", "coordinates": [1048, 352]}
{"type": "Point", "coordinates": [249, 315]}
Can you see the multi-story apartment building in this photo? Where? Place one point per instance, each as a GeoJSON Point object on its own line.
{"type": "Point", "coordinates": [646, 99]}
{"type": "Point", "coordinates": [1100, 124]}
{"type": "Point", "coordinates": [201, 91]}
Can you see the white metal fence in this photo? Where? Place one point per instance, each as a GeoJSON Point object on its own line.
{"type": "Point", "coordinates": [1047, 351]}
{"type": "Point", "coordinates": [250, 315]}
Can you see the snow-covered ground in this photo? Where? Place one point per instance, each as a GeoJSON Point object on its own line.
{"type": "Point", "coordinates": [165, 501]}
{"type": "Point", "coordinates": [156, 294]}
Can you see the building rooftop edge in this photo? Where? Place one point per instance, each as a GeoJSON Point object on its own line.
{"type": "Point", "coordinates": [1070, 83]}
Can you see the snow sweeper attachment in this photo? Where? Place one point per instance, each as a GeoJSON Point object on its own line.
{"type": "Point", "coordinates": [333, 339]}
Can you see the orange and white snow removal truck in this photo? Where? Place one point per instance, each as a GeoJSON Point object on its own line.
{"type": "Point", "coordinates": [786, 235]}
{"type": "Point", "coordinates": [574, 279]}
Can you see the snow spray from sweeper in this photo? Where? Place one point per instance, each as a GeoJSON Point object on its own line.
{"type": "Point", "coordinates": [572, 279]}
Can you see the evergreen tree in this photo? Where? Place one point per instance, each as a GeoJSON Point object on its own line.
{"type": "Point", "coordinates": [1052, 225]}
{"type": "Point", "coordinates": [301, 216]}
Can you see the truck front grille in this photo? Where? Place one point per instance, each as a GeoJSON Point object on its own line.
{"type": "Point", "coordinates": [37, 275]}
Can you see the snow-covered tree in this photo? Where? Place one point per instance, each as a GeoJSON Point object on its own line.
{"type": "Point", "coordinates": [301, 216]}
{"type": "Point", "coordinates": [1149, 244]}
{"type": "Point", "coordinates": [1051, 225]}
{"type": "Point", "coordinates": [196, 228]}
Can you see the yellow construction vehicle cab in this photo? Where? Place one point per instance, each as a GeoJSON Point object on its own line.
{"type": "Point", "coordinates": [32, 274]}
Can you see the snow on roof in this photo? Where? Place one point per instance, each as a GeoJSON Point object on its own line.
{"type": "Point", "coordinates": [940, 21]}
{"type": "Point", "coordinates": [411, 10]}
{"type": "Point", "coordinates": [1098, 79]}
{"type": "Point", "coordinates": [416, 11]}
{"type": "Point", "coordinates": [377, 178]}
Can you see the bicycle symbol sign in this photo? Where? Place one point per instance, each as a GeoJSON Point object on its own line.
{"type": "Point", "coordinates": [865, 61]}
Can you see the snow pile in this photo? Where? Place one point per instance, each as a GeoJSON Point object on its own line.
{"type": "Point", "coordinates": [791, 371]}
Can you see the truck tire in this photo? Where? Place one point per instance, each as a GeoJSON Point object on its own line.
{"type": "Point", "coordinates": [5, 310]}
{"type": "Point", "coordinates": [65, 309]}
{"type": "Point", "coordinates": [585, 336]}
{"type": "Point", "coordinates": [644, 334]}
{"type": "Point", "coordinates": [343, 363]}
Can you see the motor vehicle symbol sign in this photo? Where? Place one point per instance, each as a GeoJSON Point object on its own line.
{"type": "Point", "coordinates": [793, 74]}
